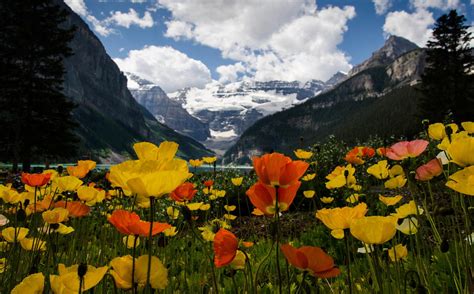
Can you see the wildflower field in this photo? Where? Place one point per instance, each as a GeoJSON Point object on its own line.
{"type": "Point", "coordinates": [374, 218]}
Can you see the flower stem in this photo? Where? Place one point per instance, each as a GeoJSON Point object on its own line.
{"type": "Point", "coordinates": [148, 273]}
{"type": "Point", "coordinates": [348, 252]}
{"type": "Point", "coordinates": [277, 238]}
{"type": "Point", "coordinates": [134, 286]}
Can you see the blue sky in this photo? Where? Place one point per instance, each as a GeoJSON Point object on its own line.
{"type": "Point", "coordinates": [178, 43]}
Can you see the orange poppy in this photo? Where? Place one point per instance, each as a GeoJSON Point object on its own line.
{"type": "Point", "coordinates": [382, 151]}
{"type": "Point", "coordinates": [276, 169]}
{"type": "Point", "coordinates": [184, 192]}
{"type": "Point", "coordinates": [225, 247]}
{"type": "Point", "coordinates": [429, 170]}
{"type": "Point", "coordinates": [208, 183]}
{"type": "Point", "coordinates": [263, 197]}
{"type": "Point", "coordinates": [312, 259]}
{"type": "Point", "coordinates": [357, 155]}
{"type": "Point", "coordinates": [129, 223]}
{"type": "Point", "coordinates": [76, 208]}
{"type": "Point", "coordinates": [406, 149]}
{"type": "Point", "coordinates": [79, 171]}
{"type": "Point", "coordinates": [35, 180]}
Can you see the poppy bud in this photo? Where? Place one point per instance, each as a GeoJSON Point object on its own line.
{"type": "Point", "coordinates": [412, 283]}
{"type": "Point", "coordinates": [21, 215]}
{"type": "Point", "coordinates": [161, 241]}
{"type": "Point", "coordinates": [26, 202]}
{"type": "Point", "coordinates": [186, 214]}
{"type": "Point", "coordinates": [421, 289]}
{"type": "Point", "coordinates": [33, 270]}
{"type": "Point", "coordinates": [190, 243]}
{"type": "Point", "coordinates": [82, 270]}
{"type": "Point", "coordinates": [346, 173]}
{"type": "Point", "coordinates": [230, 272]}
{"type": "Point", "coordinates": [443, 211]}
{"type": "Point", "coordinates": [425, 123]}
{"type": "Point", "coordinates": [54, 226]}
{"type": "Point", "coordinates": [444, 247]}
{"type": "Point", "coordinates": [59, 198]}
{"type": "Point", "coordinates": [60, 169]}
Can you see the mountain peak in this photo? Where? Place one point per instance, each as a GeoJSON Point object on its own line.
{"type": "Point", "coordinates": [393, 47]}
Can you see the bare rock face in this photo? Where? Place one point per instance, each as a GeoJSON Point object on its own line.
{"type": "Point", "coordinates": [408, 68]}
{"type": "Point", "coordinates": [167, 111]}
{"type": "Point", "coordinates": [393, 48]}
{"type": "Point", "coordinates": [109, 117]}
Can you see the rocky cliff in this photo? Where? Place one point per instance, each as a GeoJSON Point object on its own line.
{"type": "Point", "coordinates": [110, 119]}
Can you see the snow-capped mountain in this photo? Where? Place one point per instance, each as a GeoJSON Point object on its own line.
{"type": "Point", "coordinates": [166, 110]}
{"type": "Point", "coordinates": [225, 111]}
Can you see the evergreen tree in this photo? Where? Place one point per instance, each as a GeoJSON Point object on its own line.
{"type": "Point", "coordinates": [35, 116]}
{"type": "Point", "coordinates": [447, 83]}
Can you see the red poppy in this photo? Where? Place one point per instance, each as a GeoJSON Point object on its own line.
{"type": "Point", "coordinates": [429, 170]}
{"type": "Point", "coordinates": [225, 247]}
{"type": "Point", "coordinates": [209, 183]}
{"type": "Point", "coordinates": [75, 208]}
{"type": "Point", "coordinates": [276, 169]}
{"type": "Point", "coordinates": [129, 223]}
{"type": "Point", "coordinates": [184, 192]}
{"type": "Point", "coordinates": [263, 197]}
{"type": "Point", "coordinates": [35, 180]}
{"type": "Point", "coordinates": [311, 258]}
{"type": "Point", "coordinates": [382, 151]}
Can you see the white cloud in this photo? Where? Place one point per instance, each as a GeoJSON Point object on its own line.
{"type": "Point", "coordinates": [412, 26]}
{"type": "Point", "coordinates": [230, 73]}
{"type": "Point", "coordinates": [165, 66]}
{"type": "Point", "coordinates": [78, 6]}
{"type": "Point", "coordinates": [104, 27]}
{"type": "Point", "coordinates": [381, 6]}
{"type": "Point", "coordinates": [280, 39]}
{"type": "Point", "coordinates": [130, 18]}
{"type": "Point", "coordinates": [439, 4]}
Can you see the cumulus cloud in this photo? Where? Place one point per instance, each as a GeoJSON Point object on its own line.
{"type": "Point", "coordinates": [130, 18]}
{"type": "Point", "coordinates": [165, 66]}
{"type": "Point", "coordinates": [439, 4]}
{"type": "Point", "coordinates": [415, 26]}
{"type": "Point", "coordinates": [105, 26]}
{"type": "Point", "coordinates": [269, 40]}
{"type": "Point", "coordinates": [381, 6]}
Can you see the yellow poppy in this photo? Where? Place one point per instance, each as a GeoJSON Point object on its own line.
{"type": "Point", "coordinates": [129, 240]}
{"type": "Point", "coordinates": [341, 218]}
{"type": "Point", "coordinates": [149, 151]}
{"type": "Point", "coordinates": [437, 131]}
{"type": "Point", "coordinates": [462, 181]}
{"type": "Point", "coordinates": [68, 183]}
{"type": "Point", "coordinates": [12, 234]}
{"type": "Point", "coordinates": [237, 181]}
{"type": "Point", "coordinates": [395, 182]}
{"type": "Point", "coordinates": [379, 170]}
{"type": "Point", "coordinates": [68, 279]}
{"type": "Point", "coordinates": [389, 201]}
{"type": "Point", "coordinates": [32, 284]}
{"type": "Point", "coordinates": [210, 159]}
{"type": "Point", "coordinates": [230, 216]}
{"type": "Point", "coordinates": [309, 193]}
{"type": "Point", "coordinates": [57, 215]}
{"type": "Point", "coordinates": [172, 212]}
{"type": "Point", "coordinates": [195, 162]}
{"type": "Point", "coordinates": [170, 232]}
{"type": "Point", "coordinates": [90, 195]}
{"type": "Point", "coordinates": [398, 252]}
{"type": "Point", "coordinates": [194, 206]}
{"type": "Point", "coordinates": [238, 263]}
{"type": "Point", "coordinates": [409, 226]}
{"type": "Point", "coordinates": [303, 154]}
{"type": "Point", "coordinates": [205, 207]}
{"type": "Point", "coordinates": [121, 271]}
{"type": "Point", "coordinates": [461, 151]}
{"type": "Point", "coordinates": [308, 177]}
{"type": "Point", "coordinates": [353, 198]}
{"type": "Point", "coordinates": [374, 229]}
{"type": "Point", "coordinates": [230, 208]}
{"type": "Point", "coordinates": [157, 183]}
{"type": "Point", "coordinates": [33, 244]}
{"type": "Point", "coordinates": [407, 209]}
{"type": "Point", "coordinates": [326, 200]}
{"type": "Point", "coordinates": [468, 126]}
